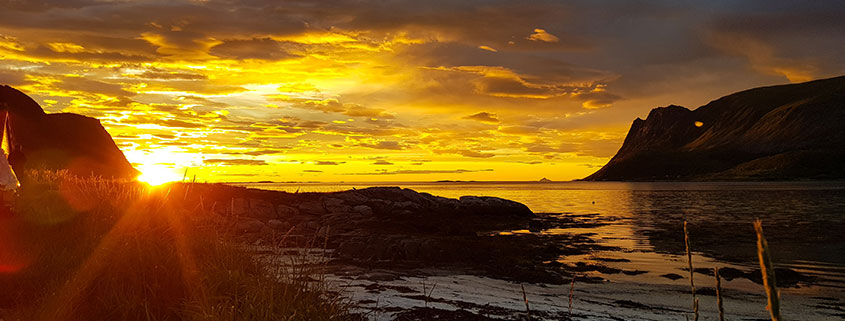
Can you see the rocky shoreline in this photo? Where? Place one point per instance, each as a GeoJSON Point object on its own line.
{"type": "Point", "coordinates": [379, 241]}
{"type": "Point", "coordinates": [395, 228]}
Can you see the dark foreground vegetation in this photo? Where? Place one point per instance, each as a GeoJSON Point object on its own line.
{"type": "Point", "coordinates": [91, 249]}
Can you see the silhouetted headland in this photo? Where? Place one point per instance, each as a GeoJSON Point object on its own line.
{"type": "Point", "coordinates": [786, 132]}
{"type": "Point", "coordinates": [60, 141]}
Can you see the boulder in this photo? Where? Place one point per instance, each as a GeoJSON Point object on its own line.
{"type": "Point", "coordinates": [446, 204]}
{"type": "Point", "coordinates": [249, 225]}
{"type": "Point", "coordinates": [380, 206]}
{"type": "Point", "coordinates": [493, 206]}
{"type": "Point", "coordinates": [411, 249]}
{"type": "Point", "coordinates": [284, 211]}
{"type": "Point", "coordinates": [364, 210]}
{"type": "Point", "coordinates": [312, 207]}
{"type": "Point", "coordinates": [300, 219]}
{"type": "Point", "coordinates": [278, 225]}
{"type": "Point", "coordinates": [351, 197]}
{"type": "Point", "coordinates": [239, 207]}
{"type": "Point", "coordinates": [406, 206]}
{"type": "Point", "coordinates": [334, 205]}
{"type": "Point", "coordinates": [261, 209]}
{"type": "Point", "coordinates": [309, 227]}
{"type": "Point", "coordinates": [351, 249]}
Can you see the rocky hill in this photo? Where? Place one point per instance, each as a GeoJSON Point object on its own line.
{"type": "Point", "coordinates": [786, 132]}
{"type": "Point", "coordinates": [73, 142]}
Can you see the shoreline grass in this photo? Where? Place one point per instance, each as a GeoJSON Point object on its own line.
{"type": "Point", "coordinates": [691, 272]}
{"type": "Point", "coordinates": [768, 272]}
{"type": "Point", "coordinates": [94, 249]}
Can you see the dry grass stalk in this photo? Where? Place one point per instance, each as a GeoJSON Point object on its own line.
{"type": "Point", "coordinates": [525, 299]}
{"type": "Point", "coordinates": [428, 292]}
{"type": "Point", "coordinates": [719, 294]}
{"type": "Point", "coordinates": [691, 282]}
{"type": "Point", "coordinates": [571, 296]}
{"type": "Point", "coordinates": [695, 309]}
{"type": "Point", "coordinates": [768, 272]}
{"type": "Point", "coordinates": [133, 252]}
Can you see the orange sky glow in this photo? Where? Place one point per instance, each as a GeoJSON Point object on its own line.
{"type": "Point", "coordinates": [395, 91]}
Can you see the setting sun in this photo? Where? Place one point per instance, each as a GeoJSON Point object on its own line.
{"type": "Point", "coordinates": [157, 174]}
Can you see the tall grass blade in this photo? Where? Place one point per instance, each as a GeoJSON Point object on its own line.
{"type": "Point", "coordinates": [571, 296]}
{"type": "Point", "coordinates": [768, 272]}
{"type": "Point", "coordinates": [719, 294]}
{"type": "Point", "coordinates": [525, 299]}
{"type": "Point", "coordinates": [691, 282]}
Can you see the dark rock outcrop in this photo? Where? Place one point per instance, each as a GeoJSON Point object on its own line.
{"type": "Point", "coordinates": [785, 132]}
{"type": "Point", "coordinates": [386, 209]}
{"type": "Point", "coordinates": [73, 142]}
{"type": "Point", "coordinates": [392, 227]}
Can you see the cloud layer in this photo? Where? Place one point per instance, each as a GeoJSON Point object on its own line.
{"type": "Point", "coordinates": [481, 89]}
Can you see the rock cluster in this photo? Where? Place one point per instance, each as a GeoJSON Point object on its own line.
{"type": "Point", "coordinates": [342, 213]}
{"type": "Point", "coordinates": [391, 227]}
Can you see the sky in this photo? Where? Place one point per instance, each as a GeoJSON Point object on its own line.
{"type": "Point", "coordinates": [261, 90]}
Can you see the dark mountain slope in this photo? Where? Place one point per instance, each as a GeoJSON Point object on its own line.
{"type": "Point", "coordinates": [782, 132]}
{"type": "Point", "coordinates": [58, 141]}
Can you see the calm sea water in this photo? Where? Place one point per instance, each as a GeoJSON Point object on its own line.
{"type": "Point", "coordinates": [803, 221]}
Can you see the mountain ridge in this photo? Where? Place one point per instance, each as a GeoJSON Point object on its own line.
{"type": "Point", "coordinates": [58, 141]}
{"type": "Point", "coordinates": [782, 132]}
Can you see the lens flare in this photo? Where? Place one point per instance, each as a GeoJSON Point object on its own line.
{"type": "Point", "coordinates": [158, 174]}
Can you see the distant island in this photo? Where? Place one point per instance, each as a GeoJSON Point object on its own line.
{"type": "Point", "coordinates": [545, 180]}
{"type": "Point", "coordinates": [786, 132]}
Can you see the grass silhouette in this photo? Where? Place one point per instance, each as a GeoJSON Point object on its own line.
{"type": "Point", "coordinates": [95, 249]}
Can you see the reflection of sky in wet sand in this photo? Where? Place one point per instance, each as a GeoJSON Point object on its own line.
{"type": "Point", "coordinates": [803, 222]}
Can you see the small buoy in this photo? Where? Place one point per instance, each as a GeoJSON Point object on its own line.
{"type": "Point", "coordinates": [594, 202]}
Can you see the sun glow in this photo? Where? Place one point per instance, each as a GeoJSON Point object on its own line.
{"type": "Point", "coordinates": [157, 174]}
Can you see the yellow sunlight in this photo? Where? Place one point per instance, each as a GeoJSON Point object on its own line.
{"type": "Point", "coordinates": [157, 174]}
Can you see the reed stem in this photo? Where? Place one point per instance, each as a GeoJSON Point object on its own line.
{"type": "Point", "coordinates": [768, 272]}
{"type": "Point", "coordinates": [719, 294]}
{"type": "Point", "coordinates": [571, 296]}
{"type": "Point", "coordinates": [691, 282]}
{"type": "Point", "coordinates": [525, 298]}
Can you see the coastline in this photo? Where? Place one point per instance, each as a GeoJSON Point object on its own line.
{"type": "Point", "coordinates": [376, 264]}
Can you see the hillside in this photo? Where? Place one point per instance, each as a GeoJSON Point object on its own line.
{"type": "Point", "coordinates": [61, 141]}
{"type": "Point", "coordinates": [786, 132]}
